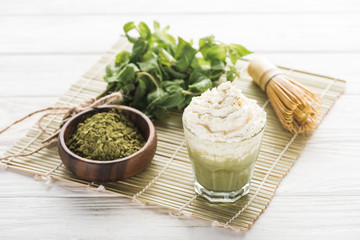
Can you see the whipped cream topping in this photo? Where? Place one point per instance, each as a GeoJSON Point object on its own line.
{"type": "Point", "coordinates": [224, 114]}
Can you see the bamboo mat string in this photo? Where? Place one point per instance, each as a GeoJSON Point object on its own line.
{"type": "Point", "coordinates": [181, 212]}
{"type": "Point", "coordinates": [328, 87]}
{"type": "Point", "coordinates": [159, 174]}
{"type": "Point", "coordinates": [47, 175]}
{"type": "Point", "coordinates": [265, 104]}
{"type": "Point", "coordinates": [188, 203]}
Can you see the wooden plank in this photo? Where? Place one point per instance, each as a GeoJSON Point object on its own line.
{"type": "Point", "coordinates": [15, 108]}
{"type": "Point", "coordinates": [136, 7]}
{"type": "Point", "coordinates": [51, 75]}
{"type": "Point", "coordinates": [41, 75]}
{"type": "Point", "coordinates": [280, 33]}
{"type": "Point", "coordinates": [106, 217]}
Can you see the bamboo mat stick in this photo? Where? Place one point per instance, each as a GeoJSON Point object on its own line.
{"type": "Point", "coordinates": [168, 180]}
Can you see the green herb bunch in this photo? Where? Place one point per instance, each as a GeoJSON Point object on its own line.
{"type": "Point", "coordinates": [161, 73]}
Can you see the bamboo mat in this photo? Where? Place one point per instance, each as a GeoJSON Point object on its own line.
{"type": "Point", "coordinates": [168, 180]}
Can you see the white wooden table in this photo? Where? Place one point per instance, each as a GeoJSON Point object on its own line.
{"type": "Point", "coordinates": [47, 45]}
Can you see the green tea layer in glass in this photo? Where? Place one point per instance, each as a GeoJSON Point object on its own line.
{"type": "Point", "coordinates": [222, 166]}
{"type": "Point", "coordinates": [229, 174]}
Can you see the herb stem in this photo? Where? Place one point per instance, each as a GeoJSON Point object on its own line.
{"type": "Point", "coordinates": [190, 93]}
{"type": "Point", "coordinates": [216, 75]}
{"type": "Point", "coordinates": [149, 76]}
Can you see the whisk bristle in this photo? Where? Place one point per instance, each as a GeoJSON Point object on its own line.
{"type": "Point", "coordinates": [297, 107]}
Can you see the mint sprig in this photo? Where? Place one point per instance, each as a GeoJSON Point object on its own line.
{"type": "Point", "coordinates": [161, 73]}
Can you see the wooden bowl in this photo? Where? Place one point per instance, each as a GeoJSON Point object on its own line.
{"type": "Point", "coordinates": [113, 170]}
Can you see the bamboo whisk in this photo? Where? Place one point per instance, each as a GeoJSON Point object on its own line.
{"type": "Point", "coordinates": [297, 107]}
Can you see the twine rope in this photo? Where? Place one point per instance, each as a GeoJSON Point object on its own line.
{"type": "Point", "coordinates": [88, 104]}
{"type": "Point", "coordinates": [4, 165]}
{"type": "Point", "coordinates": [226, 225]}
{"type": "Point", "coordinates": [48, 144]}
{"type": "Point", "coordinates": [43, 117]}
{"type": "Point", "coordinates": [32, 114]}
{"type": "Point", "coordinates": [188, 203]}
{"type": "Point", "coordinates": [39, 134]}
{"type": "Point", "coordinates": [160, 173]}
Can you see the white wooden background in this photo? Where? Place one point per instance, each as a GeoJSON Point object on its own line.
{"type": "Point", "coordinates": [47, 45]}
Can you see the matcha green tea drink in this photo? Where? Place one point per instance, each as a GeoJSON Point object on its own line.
{"type": "Point", "coordinates": [223, 131]}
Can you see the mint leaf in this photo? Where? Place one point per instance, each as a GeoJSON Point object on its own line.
{"type": "Point", "coordinates": [108, 72]}
{"type": "Point", "coordinates": [184, 55]}
{"type": "Point", "coordinates": [176, 85]}
{"type": "Point", "coordinates": [156, 26]}
{"type": "Point", "coordinates": [156, 98]}
{"type": "Point", "coordinates": [160, 112]}
{"type": "Point", "coordinates": [206, 41]}
{"type": "Point", "coordinates": [232, 74]}
{"type": "Point", "coordinates": [144, 30]}
{"type": "Point", "coordinates": [157, 93]}
{"type": "Point", "coordinates": [139, 49]}
{"type": "Point", "coordinates": [122, 58]}
{"type": "Point", "coordinates": [129, 26]}
{"type": "Point", "coordinates": [196, 76]}
{"type": "Point", "coordinates": [236, 51]}
{"type": "Point", "coordinates": [200, 86]}
{"type": "Point", "coordinates": [175, 74]}
{"type": "Point", "coordinates": [162, 72]}
{"type": "Point", "coordinates": [173, 100]}
{"type": "Point", "coordinates": [218, 65]}
{"type": "Point", "coordinates": [150, 65]}
{"type": "Point", "coordinates": [125, 75]}
{"type": "Point", "coordinates": [214, 52]}
{"type": "Point", "coordinates": [165, 58]}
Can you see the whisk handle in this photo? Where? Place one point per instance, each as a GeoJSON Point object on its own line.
{"type": "Point", "coordinates": [262, 71]}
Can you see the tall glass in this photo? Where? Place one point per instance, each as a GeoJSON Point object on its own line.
{"type": "Point", "coordinates": [222, 169]}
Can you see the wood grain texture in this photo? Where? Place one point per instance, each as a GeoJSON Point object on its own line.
{"type": "Point", "coordinates": [299, 33]}
{"type": "Point", "coordinates": [92, 7]}
{"type": "Point", "coordinates": [319, 199]}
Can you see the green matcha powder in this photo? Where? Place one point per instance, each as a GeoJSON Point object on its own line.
{"type": "Point", "coordinates": [106, 136]}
